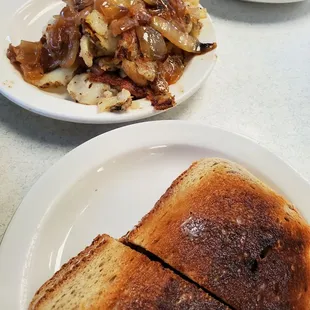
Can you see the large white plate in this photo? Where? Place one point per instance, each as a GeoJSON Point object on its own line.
{"type": "Point", "coordinates": [26, 19]}
{"type": "Point", "coordinates": [107, 184]}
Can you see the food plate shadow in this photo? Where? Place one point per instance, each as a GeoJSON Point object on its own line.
{"type": "Point", "coordinates": [258, 13]}
{"type": "Point", "coordinates": [34, 127]}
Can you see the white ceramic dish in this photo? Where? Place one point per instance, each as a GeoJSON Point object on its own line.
{"type": "Point", "coordinates": [26, 20]}
{"type": "Point", "coordinates": [107, 184]}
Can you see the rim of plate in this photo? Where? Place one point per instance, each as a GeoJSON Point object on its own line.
{"type": "Point", "coordinates": [21, 234]}
{"type": "Point", "coordinates": [41, 102]}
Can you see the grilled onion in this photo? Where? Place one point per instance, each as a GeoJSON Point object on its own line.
{"type": "Point", "coordinates": [179, 7]}
{"type": "Point", "coordinates": [79, 5]}
{"type": "Point", "coordinates": [140, 13]}
{"type": "Point", "coordinates": [123, 24]}
{"type": "Point", "coordinates": [27, 55]}
{"type": "Point", "coordinates": [152, 43]}
{"type": "Point", "coordinates": [172, 69]}
{"type": "Point", "coordinates": [73, 50]}
{"type": "Point", "coordinates": [28, 52]}
{"type": "Point", "coordinates": [63, 38]}
{"type": "Point", "coordinates": [181, 39]}
{"type": "Point", "coordinates": [111, 9]}
{"type": "Point", "coordinates": [173, 34]}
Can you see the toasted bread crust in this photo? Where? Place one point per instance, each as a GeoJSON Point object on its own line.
{"type": "Point", "coordinates": [68, 268]}
{"type": "Point", "coordinates": [226, 230]}
{"type": "Point", "coordinates": [127, 280]}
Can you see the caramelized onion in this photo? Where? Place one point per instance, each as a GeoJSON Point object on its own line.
{"type": "Point", "coordinates": [152, 43]}
{"type": "Point", "coordinates": [181, 39]}
{"type": "Point", "coordinates": [31, 73]}
{"type": "Point", "coordinates": [68, 14]}
{"type": "Point", "coordinates": [27, 56]}
{"type": "Point", "coordinates": [28, 52]}
{"type": "Point", "coordinates": [123, 3]}
{"type": "Point", "coordinates": [72, 50]}
{"type": "Point", "coordinates": [123, 24]}
{"type": "Point", "coordinates": [111, 9]}
{"type": "Point", "coordinates": [79, 5]}
{"type": "Point", "coordinates": [165, 6]}
{"type": "Point", "coordinates": [174, 8]}
{"type": "Point", "coordinates": [48, 63]}
{"type": "Point", "coordinates": [140, 13]}
{"type": "Point", "coordinates": [63, 38]}
{"type": "Point", "coordinates": [179, 7]}
{"type": "Point", "coordinates": [172, 69]}
{"type": "Point", "coordinates": [173, 34]}
{"type": "Point", "coordinates": [160, 85]}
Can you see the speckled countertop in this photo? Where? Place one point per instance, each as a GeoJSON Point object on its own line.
{"type": "Point", "coordinates": [259, 88]}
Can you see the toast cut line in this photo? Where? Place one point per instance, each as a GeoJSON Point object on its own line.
{"type": "Point", "coordinates": [155, 258]}
{"type": "Point", "coordinates": [233, 235]}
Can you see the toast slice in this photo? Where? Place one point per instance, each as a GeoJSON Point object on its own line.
{"type": "Point", "coordinates": [227, 231]}
{"type": "Point", "coordinates": [110, 275]}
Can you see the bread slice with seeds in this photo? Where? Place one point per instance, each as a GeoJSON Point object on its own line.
{"type": "Point", "coordinates": [110, 275]}
{"type": "Point", "coordinates": [233, 235]}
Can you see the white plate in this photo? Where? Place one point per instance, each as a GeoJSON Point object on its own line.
{"type": "Point", "coordinates": [107, 184]}
{"type": "Point", "coordinates": [26, 20]}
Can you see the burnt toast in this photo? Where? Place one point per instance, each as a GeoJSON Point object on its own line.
{"type": "Point", "coordinates": [233, 235]}
{"type": "Point", "coordinates": [109, 275]}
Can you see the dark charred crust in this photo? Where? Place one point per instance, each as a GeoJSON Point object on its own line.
{"type": "Point", "coordinates": [161, 102]}
{"type": "Point", "coordinates": [219, 303]}
{"type": "Point", "coordinates": [204, 48]}
{"type": "Point", "coordinates": [114, 80]}
{"type": "Point", "coordinates": [230, 236]}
